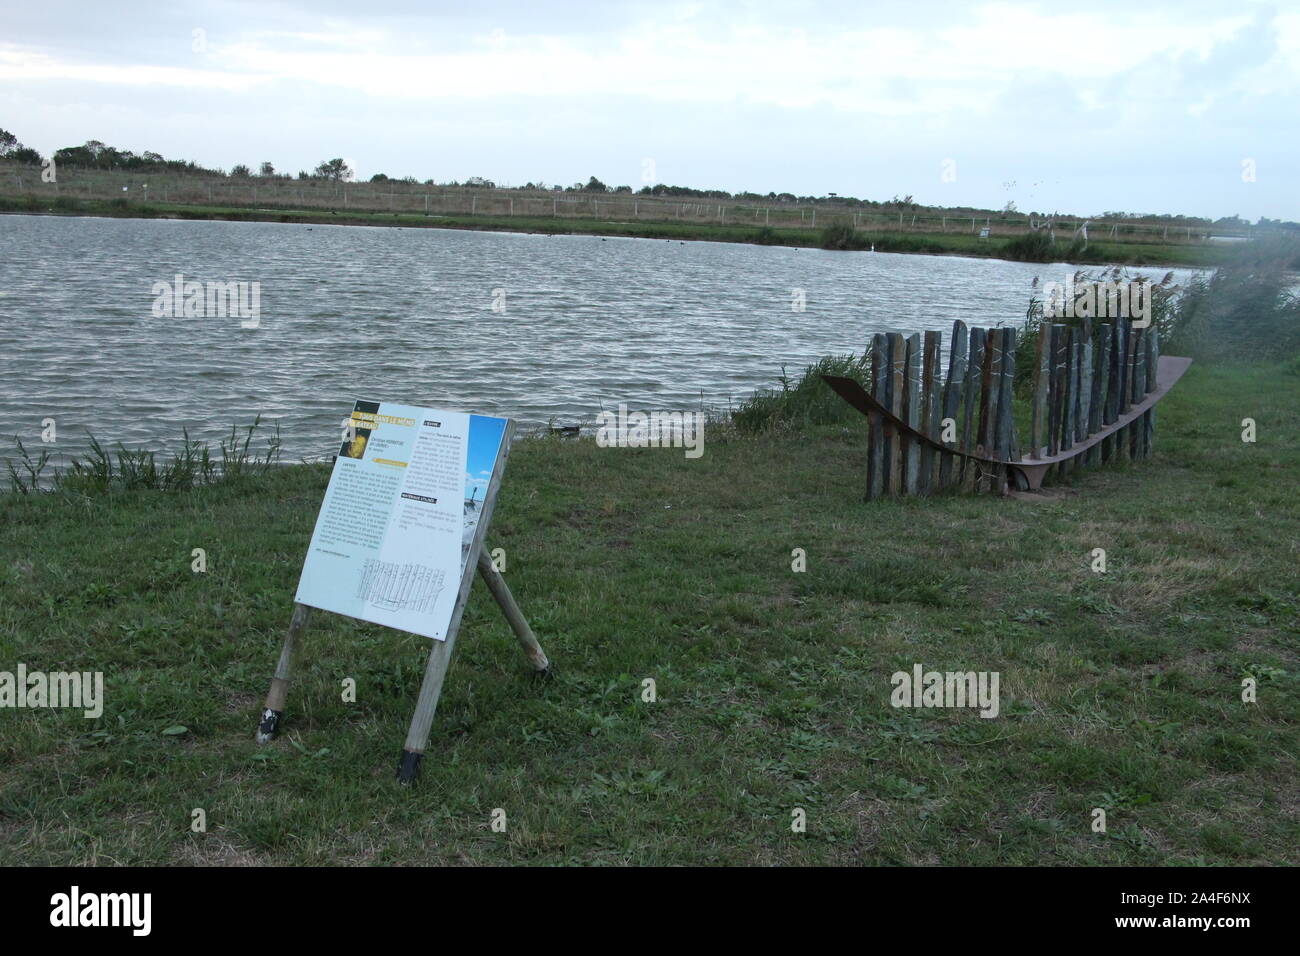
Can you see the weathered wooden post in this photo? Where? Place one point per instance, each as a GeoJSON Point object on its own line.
{"type": "Point", "coordinates": [1153, 364]}
{"type": "Point", "coordinates": [953, 387]}
{"type": "Point", "coordinates": [1042, 384]}
{"type": "Point", "coordinates": [1137, 431]}
{"type": "Point", "coordinates": [972, 400]}
{"type": "Point", "coordinates": [279, 692]}
{"type": "Point", "coordinates": [877, 450]}
{"type": "Point", "coordinates": [1114, 374]}
{"type": "Point", "coordinates": [929, 416]}
{"type": "Point", "coordinates": [1097, 399]}
{"type": "Point", "coordinates": [1069, 396]}
{"type": "Point", "coordinates": [496, 585]}
{"type": "Point", "coordinates": [897, 401]}
{"type": "Point", "coordinates": [1085, 383]}
{"type": "Point", "coordinates": [1056, 409]}
{"type": "Point", "coordinates": [912, 415]}
{"type": "Point", "coordinates": [1011, 442]}
{"type": "Point", "coordinates": [990, 378]}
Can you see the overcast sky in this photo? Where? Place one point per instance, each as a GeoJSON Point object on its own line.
{"type": "Point", "coordinates": [1076, 107]}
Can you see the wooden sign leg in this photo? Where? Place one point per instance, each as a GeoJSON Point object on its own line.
{"type": "Point", "coordinates": [279, 692]}
{"type": "Point", "coordinates": [527, 640]}
{"type": "Point", "coordinates": [435, 671]}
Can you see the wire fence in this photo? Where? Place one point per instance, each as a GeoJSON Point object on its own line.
{"type": "Point", "coordinates": [403, 198]}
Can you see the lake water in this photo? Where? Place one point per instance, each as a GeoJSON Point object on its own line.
{"type": "Point", "coordinates": [406, 315]}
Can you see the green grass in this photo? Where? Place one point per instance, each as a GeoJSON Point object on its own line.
{"type": "Point", "coordinates": [1119, 690]}
{"type": "Point", "coordinates": [921, 242]}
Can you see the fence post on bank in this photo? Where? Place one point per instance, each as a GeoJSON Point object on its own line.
{"type": "Point", "coordinates": [897, 375]}
{"type": "Point", "coordinates": [990, 376]}
{"type": "Point", "coordinates": [1042, 381]}
{"type": "Point", "coordinates": [929, 408]}
{"type": "Point", "coordinates": [970, 427]}
{"type": "Point", "coordinates": [877, 448]}
{"type": "Point", "coordinates": [912, 414]}
{"type": "Point", "coordinates": [952, 392]}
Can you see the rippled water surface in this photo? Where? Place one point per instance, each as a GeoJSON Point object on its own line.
{"type": "Point", "coordinates": [405, 315]}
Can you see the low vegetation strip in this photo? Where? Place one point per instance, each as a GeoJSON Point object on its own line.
{"type": "Point", "coordinates": [883, 240]}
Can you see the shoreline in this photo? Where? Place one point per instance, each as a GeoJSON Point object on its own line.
{"type": "Point", "coordinates": [915, 243]}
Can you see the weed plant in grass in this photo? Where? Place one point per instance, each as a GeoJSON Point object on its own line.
{"type": "Point", "coordinates": [103, 470]}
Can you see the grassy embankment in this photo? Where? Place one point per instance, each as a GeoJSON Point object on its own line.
{"type": "Point", "coordinates": [1119, 690]}
{"type": "Point", "coordinates": [932, 243]}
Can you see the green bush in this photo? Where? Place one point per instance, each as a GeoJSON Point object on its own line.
{"type": "Point", "coordinates": [841, 235]}
{"type": "Point", "coordinates": [1246, 310]}
{"type": "Point", "coordinates": [808, 401]}
{"type": "Point", "coordinates": [1031, 247]}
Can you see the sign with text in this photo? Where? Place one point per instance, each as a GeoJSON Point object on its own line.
{"type": "Point", "coordinates": [399, 516]}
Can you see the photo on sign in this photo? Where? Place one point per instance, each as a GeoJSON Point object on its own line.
{"type": "Point", "coordinates": [484, 443]}
{"type": "Point", "coordinates": [355, 447]}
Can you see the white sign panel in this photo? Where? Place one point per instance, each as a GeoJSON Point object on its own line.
{"type": "Point", "coordinates": [399, 516]}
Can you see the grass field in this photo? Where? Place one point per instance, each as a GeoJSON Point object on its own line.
{"type": "Point", "coordinates": [1142, 252]}
{"type": "Point", "coordinates": [1119, 690]}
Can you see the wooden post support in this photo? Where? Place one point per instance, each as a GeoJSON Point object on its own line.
{"type": "Point", "coordinates": [1085, 382]}
{"type": "Point", "coordinates": [1137, 431]}
{"type": "Point", "coordinates": [1056, 404]}
{"type": "Point", "coordinates": [878, 445]}
{"type": "Point", "coordinates": [952, 391]}
{"type": "Point", "coordinates": [912, 415]}
{"type": "Point", "coordinates": [971, 401]}
{"type": "Point", "coordinates": [279, 692]}
{"type": "Point", "coordinates": [897, 369]}
{"type": "Point", "coordinates": [1114, 364]}
{"type": "Point", "coordinates": [1153, 365]}
{"type": "Point", "coordinates": [929, 408]}
{"type": "Point", "coordinates": [1011, 476]}
{"type": "Point", "coordinates": [1097, 400]}
{"type": "Point", "coordinates": [1042, 380]}
{"type": "Point", "coordinates": [1069, 392]}
{"type": "Point", "coordinates": [514, 617]}
{"type": "Point", "coordinates": [990, 377]}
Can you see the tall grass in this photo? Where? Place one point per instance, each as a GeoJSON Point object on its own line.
{"type": "Point", "coordinates": [841, 235]}
{"type": "Point", "coordinates": [1164, 315]}
{"type": "Point", "coordinates": [1247, 310]}
{"type": "Point", "coordinates": [807, 401]}
{"type": "Point", "coordinates": [1039, 246]}
{"type": "Point", "coordinates": [102, 470]}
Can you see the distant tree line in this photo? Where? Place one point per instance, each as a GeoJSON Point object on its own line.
{"type": "Point", "coordinates": [94, 154]}
{"type": "Point", "coordinates": [16, 152]}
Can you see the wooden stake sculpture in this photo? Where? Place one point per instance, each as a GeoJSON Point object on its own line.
{"type": "Point", "coordinates": [1093, 401]}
